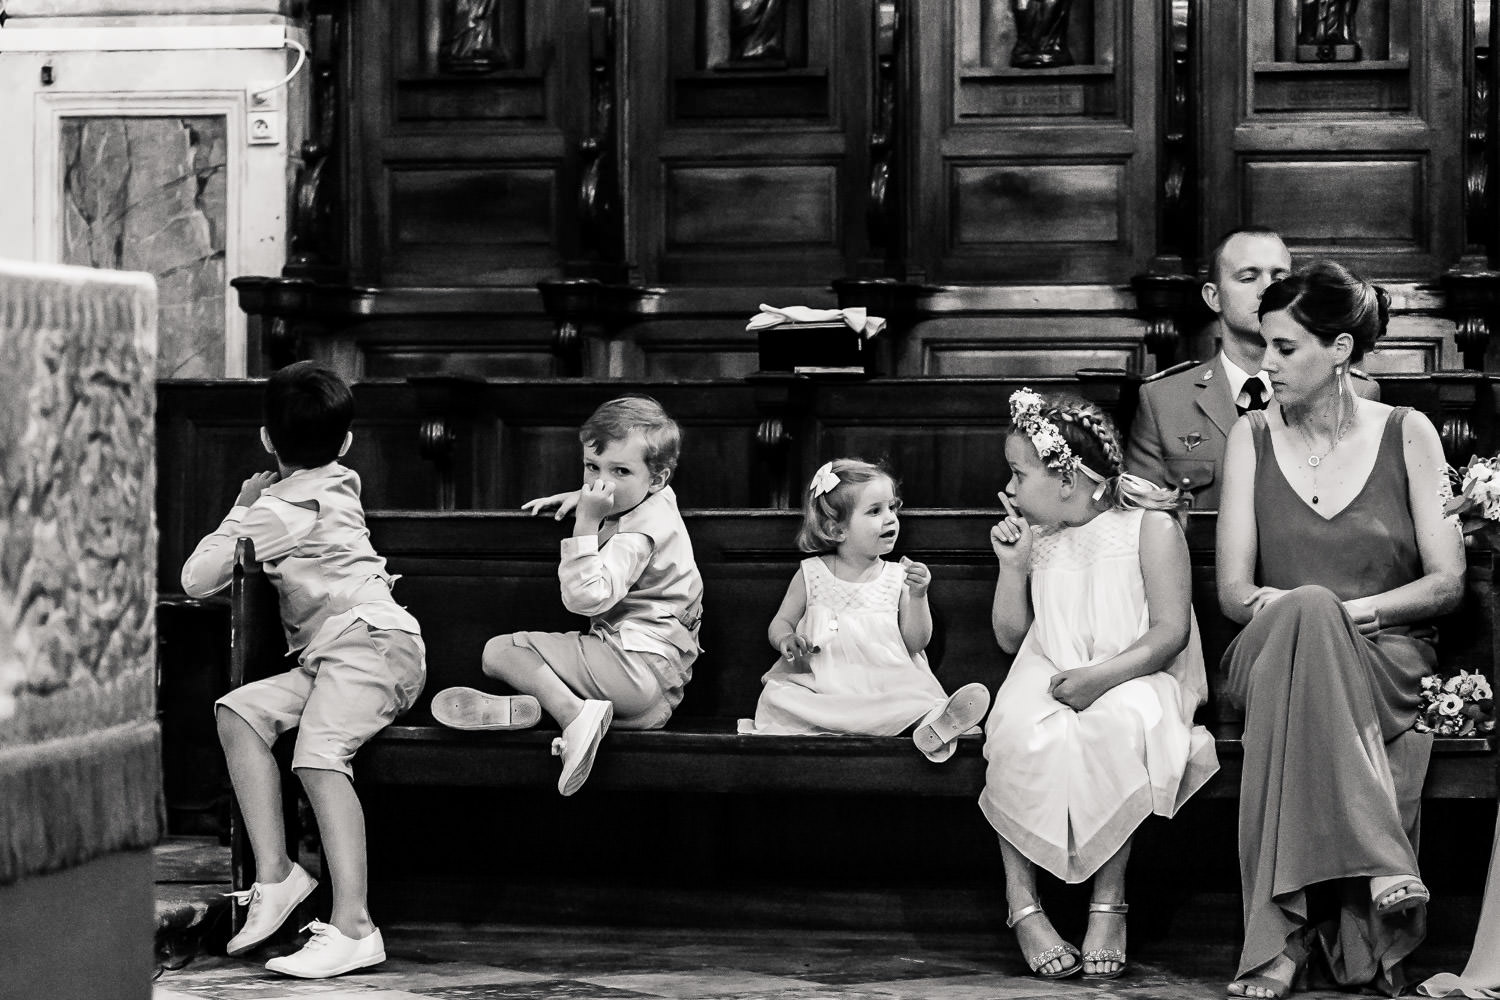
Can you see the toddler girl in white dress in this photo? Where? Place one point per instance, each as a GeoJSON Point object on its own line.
{"type": "Point", "coordinates": [853, 626]}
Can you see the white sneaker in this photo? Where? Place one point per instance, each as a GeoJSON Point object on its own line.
{"type": "Point", "coordinates": [466, 708]}
{"type": "Point", "coordinates": [329, 953]}
{"type": "Point", "coordinates": [961, 712]}
{"type": "Point", "coordinates": [270, 904]}
{"type": "Point", "coordinates": [578, 743]}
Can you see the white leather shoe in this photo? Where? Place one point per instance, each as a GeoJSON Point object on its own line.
{"type": "Point", "coordinates": [270, 904]}
{"type": "Point", "coordinates": [467, 708]}
{"type": "Point", "coordinates": [329, 953]}
{"type": "Point", "coordinates": [579, 742]}
{"type": "Point", "coordinates": [963, 710]}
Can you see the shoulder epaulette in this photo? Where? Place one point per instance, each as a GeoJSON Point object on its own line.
{"type": "Point", "coordinates": [1179, 367]}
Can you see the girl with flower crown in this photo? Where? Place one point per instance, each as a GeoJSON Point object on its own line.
{"type": "Point", "coordinates": [1092, 730]}
{"type": "Point", "coordinates": [853, 626]}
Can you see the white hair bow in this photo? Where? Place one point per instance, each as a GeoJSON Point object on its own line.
{"type": "Point", "coordinates": [823, 480]}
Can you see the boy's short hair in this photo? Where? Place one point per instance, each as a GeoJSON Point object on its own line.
{"type": "Point", "coordinates": [619, 418]}
{"type": "Point", "coordinates": [308, 410]}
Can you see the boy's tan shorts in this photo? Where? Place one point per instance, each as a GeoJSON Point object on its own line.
{"type": "Point", "coordinates": [645, 688]}
{"type": "Point", "coordinates": [342, 692]}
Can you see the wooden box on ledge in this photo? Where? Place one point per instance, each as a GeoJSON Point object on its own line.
{"type": "Point", "coordinates": [827, 348]}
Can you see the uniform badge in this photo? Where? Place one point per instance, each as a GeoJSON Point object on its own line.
{"type": "Point", "coordinates": [1191, 441]}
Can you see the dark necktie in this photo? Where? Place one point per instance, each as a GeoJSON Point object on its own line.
{"type": "Point", "coordinates": [1254, 393]}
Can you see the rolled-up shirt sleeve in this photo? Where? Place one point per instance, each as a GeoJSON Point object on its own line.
{"type": "Point", "coordinates": [593, 581]}
{"type": "Point", "coordinates": [276, 527]}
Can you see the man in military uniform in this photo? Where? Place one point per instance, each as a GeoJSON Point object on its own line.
{"type": "Point", "coordinates": [1185, 412]}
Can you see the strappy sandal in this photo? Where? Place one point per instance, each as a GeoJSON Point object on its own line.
{"type": "Point", "coordinates": [1277, 989]}
{"type": "Point", "coordinates": [1098, 955]}
{"type": "Point", "coordinates": [1041, 958]}
{"type": "Point", "coordinates": [1416, 895]}
{"type": "Point", "coordinates": [1296, 953]}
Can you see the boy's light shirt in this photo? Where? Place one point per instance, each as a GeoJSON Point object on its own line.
{"type": "Point", "coordinates": [594, 580]}
{"type": "Point", "coordinates": [273, 524]}
{"type": "Point", "coordinates": [277, 527]}
{"type": "Point", "coordinates": [641, 589]}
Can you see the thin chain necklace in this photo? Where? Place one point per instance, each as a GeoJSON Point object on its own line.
{"type": "Point", "coordinates": [1341, 428]}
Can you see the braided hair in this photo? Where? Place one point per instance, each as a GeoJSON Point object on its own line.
{"type": "Point", "coordinates": [1095, 441]}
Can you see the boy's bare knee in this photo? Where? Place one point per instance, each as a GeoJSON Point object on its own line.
{"type": "Point", "coordinates": [499, 657]}
{"type": "Point", "coordinates": [231, 725]}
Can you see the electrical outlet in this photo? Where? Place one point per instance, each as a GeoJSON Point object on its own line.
{"type": "Point", "coordinates": [263, 96]}
{"type": "Point", "coordinates": [264, 128]}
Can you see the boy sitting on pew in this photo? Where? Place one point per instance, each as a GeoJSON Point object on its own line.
{"type": "Point", "coordinates": [628, 566]}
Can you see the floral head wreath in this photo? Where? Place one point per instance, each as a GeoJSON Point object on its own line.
{"type": "Point", "coordinates": [1026, 414]}
{"type": "Point", "coordinates": [823, 480]}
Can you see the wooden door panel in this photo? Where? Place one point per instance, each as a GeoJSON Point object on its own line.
{"type": "Point", "coordinates": [1036, 151]}
{"type": "Point", "coordinates": [1345, 135]}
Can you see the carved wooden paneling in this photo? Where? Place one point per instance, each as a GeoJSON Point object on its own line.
{"type": "Point", "coordinates": [752, 206]}
{"type": "Point", "coordinates": [1036, 147]}
{"type": "Point", "coordinates": [1028, 346]}
{"type": "Point", "coordinates": [1037, 203]}
{"type": "Point", "coordinates": [469, 123]}
{"type": "Point", "coordinates": [1335, 201]}
{"type": "Point", "coordinates": [1340, 124]}
{"type": "Point", "coordinates": [501, 207]}
{"type": "Point", "coordinates": [751, 145]}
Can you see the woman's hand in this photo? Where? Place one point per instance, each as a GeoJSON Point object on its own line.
{"type": "Point", "coordinates": [797, 648]}
{"type": "Point", "coordinates": [1260, 597]}
{"type": "Point", "coordinates": [1011, 539]}
{"type": "Point", "coordinates": [252, 488]}
{"type": "Point", "coordinates": [1364, 615]}
{"type": "Point", "coordinates": [1079, 688]}
{"type": "Point", "coordinates": [918, 577]}
{"type": "Point", "coordinates": [564, 502]}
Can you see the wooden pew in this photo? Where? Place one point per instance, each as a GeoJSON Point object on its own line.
{"type": "Point", "coordinates": [468, 576]}
{"type": "Point", "coordinates": [448, 442]}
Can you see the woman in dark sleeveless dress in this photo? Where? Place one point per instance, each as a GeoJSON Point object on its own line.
{"type": "Point", "coordinates": [1332, 547]}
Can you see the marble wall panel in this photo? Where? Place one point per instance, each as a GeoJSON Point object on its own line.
{"type": "Point", "coordinates": [145, 193]}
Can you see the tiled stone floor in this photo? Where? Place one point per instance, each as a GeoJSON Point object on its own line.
{"type": "Point", "coordinates": [589, 963]}
{"type": "Point", "coordinates": [592, 963]}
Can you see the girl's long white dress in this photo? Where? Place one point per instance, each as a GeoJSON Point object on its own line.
{"type": "Point", "coordinates": [1068, 788]}
{"type": "Point", "coordinates": [862, 681]}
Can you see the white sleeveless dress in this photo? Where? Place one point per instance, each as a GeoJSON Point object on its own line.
{"type": "Point", "coordinates": [863, 681]}
{"type": "Point", "coordinates": [1068, 788]}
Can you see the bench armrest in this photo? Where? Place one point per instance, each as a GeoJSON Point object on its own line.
{"type": "Point", "coordinates": [257, 647]}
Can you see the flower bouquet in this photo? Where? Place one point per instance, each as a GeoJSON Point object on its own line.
{"type": "Point", "coordinates": [1461, 705]}
{"type": "Point", "coordinates": [1475, 496]}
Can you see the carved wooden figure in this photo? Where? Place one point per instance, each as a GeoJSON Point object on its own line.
{"type": "Point", "coordinates": [1325, 32]}
{"type": "Point", "coordinates": [1041, 33]}
{"type": "Point", "coordinates": [469, 45]}
{"type": "Point", "coordinates": [757, 30]}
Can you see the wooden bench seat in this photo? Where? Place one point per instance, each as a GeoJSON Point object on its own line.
{"type": "Point", "coordinates": [468, 576]}
{"type": "Point", "coordinates": [707, 755]}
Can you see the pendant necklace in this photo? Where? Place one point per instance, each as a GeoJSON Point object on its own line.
{"type": "Point", "coordinates": [1313, 458]}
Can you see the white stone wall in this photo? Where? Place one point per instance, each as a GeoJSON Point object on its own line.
{"type": "Point", "coordinates": [127, 88]}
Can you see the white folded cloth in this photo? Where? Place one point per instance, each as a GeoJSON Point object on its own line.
{"type": "Point", "coordinates": [855, 318]}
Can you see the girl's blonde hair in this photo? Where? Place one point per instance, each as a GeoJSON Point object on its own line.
{"type": "Point", "coordinates": [1095, 443]}
{"type": "Point", "coordinates": [824, 513]}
